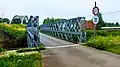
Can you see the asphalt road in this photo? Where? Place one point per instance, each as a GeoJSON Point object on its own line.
{"type": "Point", "coordinates": [75, 56]}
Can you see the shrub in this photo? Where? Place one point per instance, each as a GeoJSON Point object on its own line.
{"type": "Point", "coordinates": [18, 34]}
{"type": "Point", "coordinates": [15, 30]}
{"type": "Point", "coordinates": [109, 43]}
{"type": "Point", "coordinates": [90, 33]}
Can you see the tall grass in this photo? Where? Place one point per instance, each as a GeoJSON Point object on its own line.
{"type": "Point", "coordinates": [108, 43]}
{"type": "Point", "coordinates": [90, 33]}
{"type": "Point", "coordinates": [15, 30]}
{"type": "Point", "coordinates": [18, 34]}
{"type": "Point", "coordinates": [32, 60]}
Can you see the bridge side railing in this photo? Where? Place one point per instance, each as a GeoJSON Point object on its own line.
{"type": "Point", "coordinates": [71, 29]}
{"type": "Point", "coordinates": [33, 37]}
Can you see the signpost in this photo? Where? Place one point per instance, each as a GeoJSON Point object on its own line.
{"type": "Point", "coordinates": [95, 18]}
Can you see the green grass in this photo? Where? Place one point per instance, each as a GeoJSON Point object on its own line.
{"type": "Point", "coordinates": [15, 30]}
{"type": "Point", "coordinates": [108, 43]}
{"type": "Point", "coordinates": [17, 33]}
{"type": "Point", "coordinates": [32, 60]}
{"type": "Point", "coordinates": [90, 33]}
{"type": "Point", "coordinates": [25, 57]}
{"type": "Point", "coordinates": [105, 40]}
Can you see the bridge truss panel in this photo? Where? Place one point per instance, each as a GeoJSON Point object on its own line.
{"type": "Point", "coordinates": [71, 29]}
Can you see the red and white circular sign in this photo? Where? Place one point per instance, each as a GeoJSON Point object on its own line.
{"type": "Point", "coordinates": [95, 10]}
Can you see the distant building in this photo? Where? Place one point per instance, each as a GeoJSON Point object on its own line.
{"type": "Point", "coordinates": [89, 25]}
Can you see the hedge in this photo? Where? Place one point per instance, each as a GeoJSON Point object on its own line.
{"type": "Point", "coordinates": [108, 43]}
{"type": "Point", "coordinates": [90, 33]}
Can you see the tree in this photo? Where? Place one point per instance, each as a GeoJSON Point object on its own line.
{"type": "Point", "coordinates": [52, 20]}
{"type": "Point", "coordinates": [112, 24]}
{"type": "Point", "coordinates": [6, 20]}
{"type": "Point", "coordinates": [46, 21]}
{"type": "Point", "coordinates": [0, 20]}
{"type": "Point", "coordinates": [58, 19]}
{"type": "Point", "coordinates": [101, 23]}
{"type": "Point", "coordinates": [16, 21]}
{"type": "Point", "coordinates": [117, 24]}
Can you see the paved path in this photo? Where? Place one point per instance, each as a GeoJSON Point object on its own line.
{"type": "Point", "coordinates": [75, 56]}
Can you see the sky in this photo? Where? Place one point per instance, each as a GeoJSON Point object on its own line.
{"type": "Point", "coordinates": [60, 8]}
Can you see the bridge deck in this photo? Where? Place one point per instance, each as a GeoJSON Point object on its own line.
{"type": "Point", "coordinates": [75, 56]}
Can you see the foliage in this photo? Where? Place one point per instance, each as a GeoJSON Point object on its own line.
{"type": "Point", "coordinates": [32, 60]}
{"type": "Point", "coordinates": [90, 33]}
{"type": "Point", "coordinates": [18, 34]}
{"type": "Point", "coordinates": [16, 21]}
{"type": "Point", "coordinates": [52, 20]}
{"type": "Point", "coordinates": [46, 21]}
{"type": "Point", "coordinates": [108, 43]}
{"type": "Point", "coordinates": [105, 40]}
{"type": "Point", "coordinates": [101, 22]}
{"type": "Point", "coordinates": [117, 24]}
{"type": "Point", "coordinates": [1, 49]}
{"type": "Point", "coordinates": [109, 24]}
{"type": "Point", "coordinates": [15, 30]}
{"type": "Point", "coordinates": [4, 20]}
{"type": "Point", "coordinates": [0, 20]}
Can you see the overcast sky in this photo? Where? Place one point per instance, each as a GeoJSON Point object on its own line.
{"type": "Point", "coordinates": [59, 8]}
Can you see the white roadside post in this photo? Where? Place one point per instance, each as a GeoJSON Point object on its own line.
{"type": "Point", "coordinates": [95, 18]}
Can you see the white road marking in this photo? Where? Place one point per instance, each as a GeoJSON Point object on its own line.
{"type": "Point", "coordinates": [63, 46]}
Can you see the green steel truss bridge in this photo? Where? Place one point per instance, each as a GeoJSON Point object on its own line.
{"type": "Point", "coordinates": [71, 29]}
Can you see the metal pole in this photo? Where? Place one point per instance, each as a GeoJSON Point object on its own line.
{"type": "Point", "coordinates": [95, 31]}
{"type": "Point", "coordinates": [95, 3]}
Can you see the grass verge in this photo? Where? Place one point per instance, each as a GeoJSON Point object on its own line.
{"type": "Point", "coordinates": [31, 60]}
{"type": "Point", "coordinates": [108, 43]}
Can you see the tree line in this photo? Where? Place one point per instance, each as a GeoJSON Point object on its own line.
{"type": "Point", "coordinates": [3, 20]}
{"type": "Point", "coordinates": [100, 24]}
{"type": "Point", "coordinates": [51, 20]}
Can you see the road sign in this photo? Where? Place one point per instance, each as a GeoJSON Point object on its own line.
{"type": "Point", "coordinates": [95, 10]}
{"type": "Point", "coordinates": [95, 19]}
